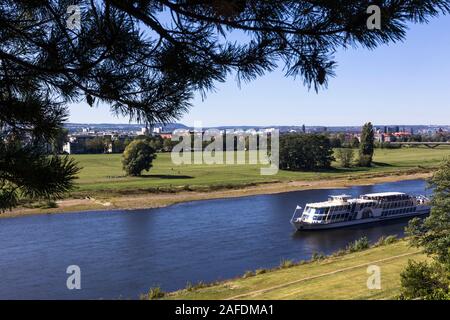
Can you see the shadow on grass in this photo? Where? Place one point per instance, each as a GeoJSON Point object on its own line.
{"type": "Point", "coordinates": [381, 164]}
{"type": "Point", "coordinates": [166, 176]}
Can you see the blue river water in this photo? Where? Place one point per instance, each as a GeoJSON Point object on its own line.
{"type": "Point", "coordinates": [121, 254]}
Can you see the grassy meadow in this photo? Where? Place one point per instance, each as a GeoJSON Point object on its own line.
{"type": "Point", "coordinates": [102, 173]}
{"type": "Point", "coordinates": [341, 277]}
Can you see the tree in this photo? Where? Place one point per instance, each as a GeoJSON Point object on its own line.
{"type": "Point", "coordinates": [355, 142]}
{"type": "Point", "coordinates": [146, 59]}
{"type": "Point", "coordinates": [95, 145]}
{"type": "Point", "coordinates": [305, 152]}
{"type": "Point", "coordinates": [422, 280]}
{"type": "Point", "coordinates": [345, 157]}
{"type": "Point", "coordinates": [168, 144]}
{"type": "Point", "coordinates": [335, 141]}
{"type": "Point", "coordinates": [60, 140]}
{"type": "Point", "coordinates": [432, 235]}
{"type": "Point", "coordinates": [366, 147]}
{"type": "Point", "coordinates": [138, 156]}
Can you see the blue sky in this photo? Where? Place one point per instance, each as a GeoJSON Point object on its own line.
{"type": "Point", "coordinates": [402, 83]}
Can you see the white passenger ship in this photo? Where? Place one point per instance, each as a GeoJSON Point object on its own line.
{"type": "Point", "coordinates": [343, 211]}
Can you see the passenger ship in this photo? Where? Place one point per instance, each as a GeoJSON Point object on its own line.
{"type": "Point", "coordinates": [343, 211]}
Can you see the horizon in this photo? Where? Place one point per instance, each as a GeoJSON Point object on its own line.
{"type": "Point", "coordinates": [272, 125]}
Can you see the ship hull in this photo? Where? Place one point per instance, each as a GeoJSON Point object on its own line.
{"type": "Point", "coordinates": [301, 226]}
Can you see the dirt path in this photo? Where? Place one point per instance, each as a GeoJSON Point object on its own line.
{"type": "Point", "coordinates": [256, 292]}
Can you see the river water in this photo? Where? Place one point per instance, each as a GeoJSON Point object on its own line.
{"type": "Point", "coordinates": [123, 253]}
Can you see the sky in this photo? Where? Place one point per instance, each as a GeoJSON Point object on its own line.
{"type": "Point", "coordinates": [400, 83]}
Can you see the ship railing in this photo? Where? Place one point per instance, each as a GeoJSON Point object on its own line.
{"type": "Point", "coordinates": [421, 199]}
{"type": "Point", "coordinates": [298, 213]}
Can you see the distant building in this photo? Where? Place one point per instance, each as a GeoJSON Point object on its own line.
{"type": "Point", "coordinates": [143, 131]}
{"type": "Point", "coordinates": [166, 135]}
{"type": "Point", "coordinates": [157, 129]}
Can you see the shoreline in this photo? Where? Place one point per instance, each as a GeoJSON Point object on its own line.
{"type": "Point", "coordinates": [158, 200]}
{"type": "Point", "coordinates": [348, 268]}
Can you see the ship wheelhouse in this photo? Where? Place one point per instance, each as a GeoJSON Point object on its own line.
{"type": "Point", "coordinates": [338, 208]}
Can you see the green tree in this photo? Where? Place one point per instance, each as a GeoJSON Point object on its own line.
{"type": "Point", "coordinates": [422, 280]}
{"type": "Point", "coordinates": [138, 156]}
{"type": "Point", "coordinates": [305, 152]}
{"type": "Point", "coordinates": [355, 142]}
{"type": "Point", "coordinates": [60, 140]}
{"type": "Point", "coordinates": [345, 157]}
{"type": "Point", "coordinates": [168, 144]}
{"type": "Point", "coordinates": [366, 147]}
{"type": "Point", "coordinates": [432, 235]}
{"type": "Point", "coordinates": [146, 59]}
{"type": "Point", "coordinates": [95, 145]}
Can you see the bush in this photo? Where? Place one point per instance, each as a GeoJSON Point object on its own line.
{"type": "Point", "coordinates": [345, 157]}
{"type": "Point", "coordinates": [285, 263]}
{"type": "Point", "coordinates": [260, 271]}
{"type": "Point", "coordinates": [383, 241]}
{"type": "Point", "coordinates": [50, 204]}
{"type": "Point", "coordinates": [153, 294]}
{"type": "Point", "coordinates": [358, 245]}
{"type": "Point", "coordinates": [248, 274]}
{"type": "Point", "coordinates": [316, 256]}
{"type": "Point", "coordinates": [138, 156]}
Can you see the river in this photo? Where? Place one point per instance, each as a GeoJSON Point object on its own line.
{"type": "Point", "coordinates": [123, 253]}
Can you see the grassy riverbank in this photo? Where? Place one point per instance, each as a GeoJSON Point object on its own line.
{"type": "Point", "coordinates": [103, 173]}
{"type": "Point", "coordinates": [102, 184]}
{"type": "Point", "coordinates": [337, 277]}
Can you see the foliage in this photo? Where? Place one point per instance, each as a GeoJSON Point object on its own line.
{"type": "Point", "coordinates": [138, 156]}
{"type": "Point", "coordinates": [260, 271]}
{"type": "Point", "coordinates": [153, 294]}
{"type": "Point", "coordinates": [316, 256]}
{"type": "Point", "coordinates": [386, 240]}
{"type": "Point", "coordinates": [26, 173]}
{"type": "Point", "coordinates": [365, 160]}
{"type": "Point", "coordinates": [355, 142]}
{"type": "Point", "coordinates": [305, 152]}
{"type": "Point", "coordinates": [432, 235]}
{"type": "Point", "coordinates": [61, 137]}
{"type": "Point", "coordinates": [422, 280]}
{"type": "Point", "coordinates": [358, 245]}
{"type": "Point", "coordinates": [345, 157]}
{"type": "Point", "coordinates": [366, 147]}
{"type": "Point", "coordinates": [286, 263]}
{"type": "Point", "coordinates": [96, 145]}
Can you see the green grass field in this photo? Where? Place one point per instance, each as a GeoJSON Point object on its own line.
{"type": "Point", "coordinates": [343, 277]}
{"type": "Point", "coordinates": [103, 172]}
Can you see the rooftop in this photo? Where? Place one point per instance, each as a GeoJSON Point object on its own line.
{"type": "Point", "coordinates": [383, 194]}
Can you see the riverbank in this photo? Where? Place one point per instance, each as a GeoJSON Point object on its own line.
{"type": "Point", "coordinates": [102, 185]}
{"type": "Point", "coordinates": [336, 277]}
{"type": "Point", "coordinates": [162, 199]}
